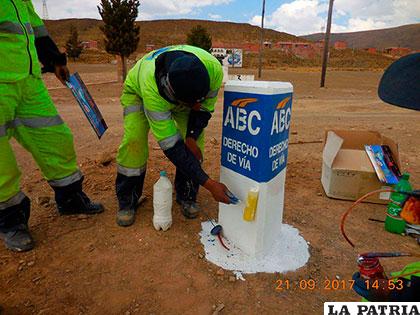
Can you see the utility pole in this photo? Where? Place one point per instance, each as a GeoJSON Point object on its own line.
{"type": "Point", "coordinates": [44, 10]}
{"type": "Point", "coordinates": [262, 40]}
{"type": "Point", "coordinates": [326, 44]}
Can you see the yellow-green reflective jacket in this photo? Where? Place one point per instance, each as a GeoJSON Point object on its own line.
{"type": "Point", "coordinates": [19, 26]}
{"type": "Point", "coordinates": [140, 88]}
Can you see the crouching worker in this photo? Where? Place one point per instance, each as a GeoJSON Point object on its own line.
{"type": "Point", "coordinates": [171, 91]}
{"type": "Point", "coordinates": [28, 114]}
{"type": "Point", "coordinates": [399, 87]}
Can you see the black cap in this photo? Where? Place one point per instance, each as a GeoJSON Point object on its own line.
{"type": "Point", "coordinates": [189, 79]}
{"type": "Point", "coordinates": [400, 84]}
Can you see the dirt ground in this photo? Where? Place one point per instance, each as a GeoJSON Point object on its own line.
{"type": "Point", "coordinates": [89, 265]}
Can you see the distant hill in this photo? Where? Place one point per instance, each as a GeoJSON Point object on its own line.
{"type": "Point", "coordinates": [165, 32]}
{"type": "Point", "coordinates": [403, 36]}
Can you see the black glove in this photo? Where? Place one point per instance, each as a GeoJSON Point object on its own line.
{"type": "Point", "coordinates": [186, 162]}
{"type": "Point", "coordinates": [48, 54]}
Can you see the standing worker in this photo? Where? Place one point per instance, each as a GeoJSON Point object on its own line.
{"type": "Point", "coordinates": [28, 114]}
{"type": "Point", "coordinates": [172, 91]}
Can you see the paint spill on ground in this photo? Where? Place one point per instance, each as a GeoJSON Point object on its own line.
{"type": "Point", "coordinates": [290, 253]}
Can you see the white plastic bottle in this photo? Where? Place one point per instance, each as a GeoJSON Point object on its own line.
{"type": "Point", "coordinates": [162, 203]}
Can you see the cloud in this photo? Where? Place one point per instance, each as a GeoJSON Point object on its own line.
{"type": "Point", "coordinates": [374, 14]}
{"type": "Point", "coordinates": [149, 9]}
{"type": "Point", "coordinates": [256, 20]}
{"type": "Point", "coordinates": [309, 16]}
{"type": "Point", "coordinates": [297, 17]}
{"type": "Point", "coordinates": [215, 16]}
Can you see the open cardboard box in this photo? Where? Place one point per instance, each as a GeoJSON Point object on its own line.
{"type": "Point", "coordinates": [347, 172]}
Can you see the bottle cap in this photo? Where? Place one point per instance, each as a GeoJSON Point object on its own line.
{"type": "Point", "coordinates": [163, 174]}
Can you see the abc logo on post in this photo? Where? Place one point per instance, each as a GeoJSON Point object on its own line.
{"type": "Point", "coordinates": [368, 308]}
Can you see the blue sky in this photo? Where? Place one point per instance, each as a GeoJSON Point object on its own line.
{"type": "Point", "coordinates": [291, 16]}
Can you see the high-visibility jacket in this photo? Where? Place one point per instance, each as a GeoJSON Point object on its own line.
{"type": "Point", "coordinates": [19, 26]}
{"type": "Point", "coordinates": [140, 88]}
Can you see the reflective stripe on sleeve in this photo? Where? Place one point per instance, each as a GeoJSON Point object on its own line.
{"type": "Point", "coordinates": [11, 28]}
{"type": "Point", "coordinates": [158, 116]}
{"type": "Point", "coordinates": [212, 94]}
{"type": "Point", "coordinates": [15, 200]}
{"type": "Point", "coordinates": [3, 130]}
{"type": "Point", "coordinates": [130, 172]}
{"type": "Point", "coordinates": [76, 176]}
{"type": "Point", "coordinates": [29, 28]}
{"type": "Point", "coordinates": [40, 31]}
{"type": "Point", "coordinates": [133, 109]}
{"type": "Point", "coordinates": [169, 142]}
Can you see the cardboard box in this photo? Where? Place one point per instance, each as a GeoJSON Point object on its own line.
{"type": "Point", "coordinates": [347, 172]}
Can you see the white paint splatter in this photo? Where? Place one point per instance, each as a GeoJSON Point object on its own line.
{"type": "Point", "coordinates": [288, 254]}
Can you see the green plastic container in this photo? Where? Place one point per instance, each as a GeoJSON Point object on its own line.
{"type": "Point", "coordinates": [393, 222]}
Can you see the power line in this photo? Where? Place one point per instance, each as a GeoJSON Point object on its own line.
{"type": "Point", "coordinates": [262, 40]}
{"type": "Point", "coordinates": [326, 44]}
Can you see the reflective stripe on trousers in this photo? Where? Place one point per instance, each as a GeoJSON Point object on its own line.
{"type": "Point", "coordinates": [129, 172]}
{"type": "Point", "coordinates": [76, 176]}
{"type": "Point", "coordinates": [36, 122]}
{"type": "Point", "coordinates": [15, 200]}
{"type": "Point", "coordinates": [169, 142]}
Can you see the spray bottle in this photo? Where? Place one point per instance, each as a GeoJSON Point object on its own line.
{"type": "Point", "coordinates": [393, 222]}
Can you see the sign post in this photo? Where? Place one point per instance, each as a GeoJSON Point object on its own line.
{"type": "Point", "coordinates": [255, 138]}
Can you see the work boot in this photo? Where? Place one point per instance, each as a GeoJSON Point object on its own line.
{"type": "Point", "coordinates": [71, 199]}
{"type": "Point", "coordinates": [129, 190]}
{"type": "Point", "coordinates": [14, 226]}
{"type": "Point", "coordinates": [126, 217]}
{"type": "Point", "coordinates": [189, 209]}
{"type": "Point", "coordinates": [18, 238]}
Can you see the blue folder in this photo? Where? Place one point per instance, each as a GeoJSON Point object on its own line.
{"type": "Point", "coordinates": [87, 104]}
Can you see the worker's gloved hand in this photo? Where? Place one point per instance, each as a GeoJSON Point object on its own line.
{"type": "Point", "coordinates": [193, 147]}
{"type": "Point", "coordinates": [218, 190]}
{"type": "Point", "coordinates": [376, 292]}
{"type": "Point", "coordinates": [62, 73]}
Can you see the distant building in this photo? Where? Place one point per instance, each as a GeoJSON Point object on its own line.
{"type": "Point", "coordinates": [301, 49]}
{"type": "Point", "coordinates": [397, 51]}
{"type": "Point", "coordinates": [90, 44]}
{"type": "Point", "coordinates": [267, 44]}
{"type": "Point", "coordinates": [251, 47]}
{"type": "Point", "coordinates": [371, 50]}
{"type": "Point", "coordinates": [340, 45]}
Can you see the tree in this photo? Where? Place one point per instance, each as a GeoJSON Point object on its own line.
{"type": "Point", "coordinates": [198, 36]}
{"type": "Point", "coordinates": [120, 30]}
{"type": "Point", "coordinates": [73, 47]}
